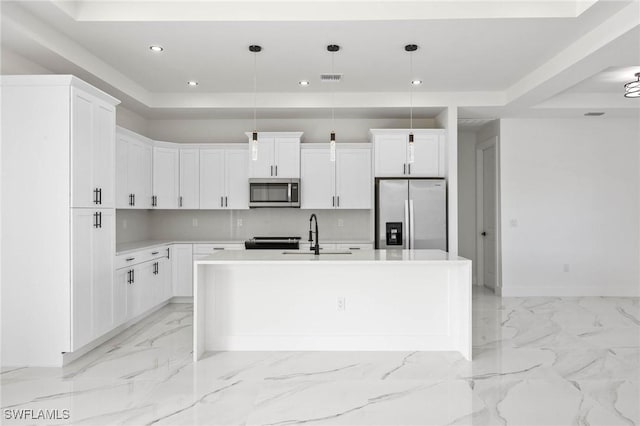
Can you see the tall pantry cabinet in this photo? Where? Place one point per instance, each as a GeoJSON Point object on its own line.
{"type": "Point", "coordinates": [58, 217]}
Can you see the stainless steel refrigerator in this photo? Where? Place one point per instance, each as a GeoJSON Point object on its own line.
{"type": "Point", "coordinates": [411, 214]}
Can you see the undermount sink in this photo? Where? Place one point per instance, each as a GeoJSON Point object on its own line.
{"type": "Point", "coordinates": [321, 252]}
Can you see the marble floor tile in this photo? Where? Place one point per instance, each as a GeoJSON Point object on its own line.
{"type": "Point", "coordinates": [537, 361]}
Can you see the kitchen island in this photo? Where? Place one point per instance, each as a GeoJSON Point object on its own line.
{"type": "Point", "coordinates": [382, 300]}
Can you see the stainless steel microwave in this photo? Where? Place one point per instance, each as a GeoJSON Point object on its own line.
{"type": "Point", "coordinates": [274, 192]}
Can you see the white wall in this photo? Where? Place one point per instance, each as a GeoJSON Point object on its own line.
{"type": "Point", "coordinates": [448, 119]}
{"type": "Point", "coordinates": [570, 196]}
{"type": "Point", "coordinates": [467, 197]}
{"type": "Point", "coordinates": [233, 130]}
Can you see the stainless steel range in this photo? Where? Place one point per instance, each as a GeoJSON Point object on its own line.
{"type": "Point", "coordinates": [272, 243]}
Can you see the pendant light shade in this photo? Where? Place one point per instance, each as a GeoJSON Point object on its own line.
{"type": "Point", "coordinates": [333, 48]}
{"type": "Point", "coordinates": [411, 48]}
{"type": "Point", "coordinates": [632, 88]}
{"type": "Point", "coordinates": [255, 49]}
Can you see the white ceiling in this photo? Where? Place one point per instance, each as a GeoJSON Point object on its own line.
{"type": "Point", "coordinates": [509, 56]}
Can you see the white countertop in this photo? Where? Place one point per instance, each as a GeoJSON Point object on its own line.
{"type": "Point", "coordinates": [124, 248]}
{"type": "Point", "coordinates": [356, 256]}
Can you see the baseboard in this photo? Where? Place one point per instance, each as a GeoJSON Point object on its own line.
{"type": "Point", "coordinates": [69, 357]}
{"type": "Point", "coordinates": [181, 299]}
{"type": "Point", "coordinates": [569, 291]}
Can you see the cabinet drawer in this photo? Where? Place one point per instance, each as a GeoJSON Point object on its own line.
{"type": "Point", "coordinates": [207, 249]}
{"type": "Point", "coordinates": [144, 255]}
{"type": "Point", "coordinates": [354, 246]}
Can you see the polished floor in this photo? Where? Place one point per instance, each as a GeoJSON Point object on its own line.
{"type": "Point", "coordinates": [537, 361]}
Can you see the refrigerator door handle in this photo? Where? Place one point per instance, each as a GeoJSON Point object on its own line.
{"type": "Point", "coordinates": [405, 243]}
{"type": "Point", "coordinates": [412, 234]}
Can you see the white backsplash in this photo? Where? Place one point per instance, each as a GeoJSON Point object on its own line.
{"type": "Point", "coordinates": [243, 224]}
{"type": "Point", "coordinates": [239, 225]}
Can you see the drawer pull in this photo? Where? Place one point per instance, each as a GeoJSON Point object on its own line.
{"type": "Point", "coordinates": [129, 259]}
{"type": "Point", "coordinates": [154, 253]}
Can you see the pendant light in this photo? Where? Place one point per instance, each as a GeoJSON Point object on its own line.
{"type": "Point", "coordinates": [255, 49]}
{"type": "Point", "coordinates": [411, 48]}
{"type": "Point", "coordinates": [333, 48]}
{"type": "Point", "coordinates": [632, 88]}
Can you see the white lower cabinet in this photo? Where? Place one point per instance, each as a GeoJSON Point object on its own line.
{"type": "Point", "coordinates": [141, 286]}
{"type": "Point", "coordinates": [182, 256]}
{"type": "Point", "coordinates": [93, 245]}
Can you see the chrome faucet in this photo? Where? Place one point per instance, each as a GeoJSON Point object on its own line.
{"type": "Point", "coordinates": [316, 248]}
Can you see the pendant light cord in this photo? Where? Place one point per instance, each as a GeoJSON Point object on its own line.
{"type": "Point", "coordinates": [333, 96]}
{"type": "Point", "coordinates": [411, 90]}
{"type": "Point", "coordinates": [255, 89]}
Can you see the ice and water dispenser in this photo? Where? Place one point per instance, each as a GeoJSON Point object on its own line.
{"type": "Point", "coordinates": [394, 233]}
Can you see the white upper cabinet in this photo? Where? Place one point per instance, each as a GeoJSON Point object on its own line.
{"type": "Point", "coordinates": [189, 179]}
{"type": "Point", "coordinates": [346, 183]}
{"type": "Point", "coordinates": [224, 180]}
{"type": "Point", "coordinates": [134, 171]}
{"type": "Point", "coordinates": [428, 155]}
{"type": "Point", "coordinates": [354, 181]}
{"type": "Point", "coordinates": [278, 155]}
{"type": "Point", "coordinates": [212, 184]}
{"type": "Point", "coordinates": [166, 176]}
{"type": "Point", "coordinates": [392, 159]}
{"type": "Point", "coordinates": [236, 176]}
{"type": "Point", "coordinates": [287, 157]}
{"type": "Point", "coordinates": [262, 166]}
{"type": "Point", "coordinates": [92, 151]}
{"type": "Point", "coordinates": [317, 178]}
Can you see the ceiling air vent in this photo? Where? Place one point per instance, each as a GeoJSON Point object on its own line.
{"type": "Point", "coordinates": [331, 78]}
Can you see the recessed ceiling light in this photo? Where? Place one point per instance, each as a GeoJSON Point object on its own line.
{"type": "Point", "coordinates": [156, 48]}
{"type": "Point", "coordinates": [594, 114]}
{"type": "Point", "coordinates": [192, 83]}
{"type": "Point", "coordinates": [303, 82]}
{"type": "Point", "coordinates": [416, 82]}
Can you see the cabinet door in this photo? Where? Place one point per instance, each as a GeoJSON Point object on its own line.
{"type": "Point", "coordinates": [120, 290]}
{"type": "Point", "coordinates": [136, 293]}
{"type": "Point", "coordinates": [122, 168]}
{"type": "Point", "coordinates": [145, 289]}
{"type": "Point", "coordinates": [212, 185]}
{"type": "Point", "coordinates": [354, 183]}
{"type": "Point", "coordinates": [82, 146]}
{"type": "Point", "coordinates": [427, 158]}
{"type": "Point", "coordinates": [166, 176]}
{"type": "Point", "coordinates": [82, 234]}
{"type": "Point", "coordinates": [263, 166]}
{"type": "Point", "coordinates": [182, 256]}
{"type": "Point", "coordinates": [317, 181]}
{"type": "Point", "coordinates": [165, 276]}
{"type": "Point", "coordinates": [391, 155]}
{"type": "Point", "coordinates": [189, 179]}
{"type": "Point", "coordinates": [236, 179]}
{"type": "Point", "coordinates": [104, 126]}
{"type": "Point", "coordinates": [103, 249]}
{"type": "Point", "coordinates": [287, 158]}
{"type": "Point", "coordinates": [139, 172]}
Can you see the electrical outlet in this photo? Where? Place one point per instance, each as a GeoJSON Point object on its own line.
{"type": "Point", "coordinates": [342, 304]}
{"type": "Point", "coordinates": [513, 223]}
{"type": "Point", "coordinates": [194, 222]}
{"type": "Point", "coordinates": [124, 223]}
{"type": "Point", "coordinates": [565, 267]}
{"type": "Point", "coordinates": [340, 223]}
{"type": "Point", "coordinates": [239, 223]}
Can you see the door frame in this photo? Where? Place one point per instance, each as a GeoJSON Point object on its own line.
{"type": "Point", "coordinates": [480, 148]}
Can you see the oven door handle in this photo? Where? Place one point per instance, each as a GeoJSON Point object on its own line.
{"type": "Point", "coordinates": [289, 185]}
